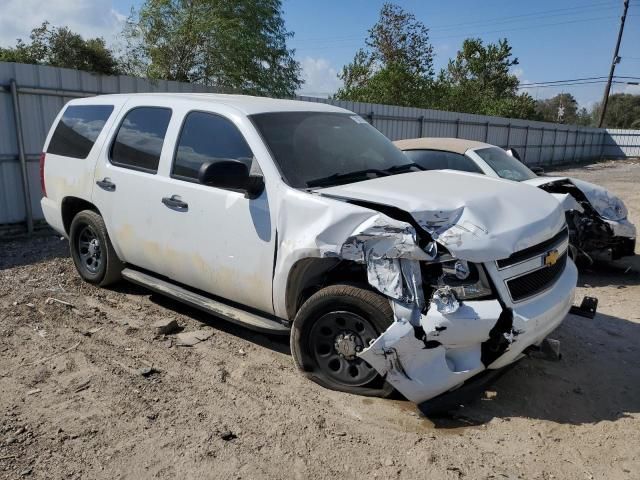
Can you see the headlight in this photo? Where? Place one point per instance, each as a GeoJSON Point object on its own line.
{"type": "Point", "coordinates": [610, 207]}
{"type": "Point", "coordinates": [465, 279]}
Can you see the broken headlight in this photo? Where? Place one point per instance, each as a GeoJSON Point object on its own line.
{"type": "Point", "coordinates": [610, 208]}
{"type": "Point", "coordinates": [467, 280]}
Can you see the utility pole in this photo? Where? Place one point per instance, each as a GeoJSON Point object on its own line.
{"type": "Point", "coordinates": [614, 62]}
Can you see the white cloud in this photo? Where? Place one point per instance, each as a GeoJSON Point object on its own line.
{"type": "Point", "coordinates": [320, 78]}
{"type": "Point", "coordinates": [632, 89]}
{"type": "Point", "coordinates": [89, 18]}
{"type": "Point", "coordinates": [518, 72]}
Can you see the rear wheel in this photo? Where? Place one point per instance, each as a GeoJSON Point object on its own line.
{"type": "Point", "coordinates": [331, 328]}
{"type": "Point", "coordinates": [92, 251]}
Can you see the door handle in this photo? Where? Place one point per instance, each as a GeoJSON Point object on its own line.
{"type": "Point", "coordinates": [175, 203]}
{"type": "Point", "coordinates": [106, 184]}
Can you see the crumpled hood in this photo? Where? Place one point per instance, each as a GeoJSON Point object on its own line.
{"type": "Point", "coordinates": [476, 217]}
{"type": "Point", "coordinates": [608, 205]}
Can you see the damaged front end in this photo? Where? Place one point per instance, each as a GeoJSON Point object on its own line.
{"type": "Point", "coordinates": [450, 321]}
{"type": "Point", "coordinates": [597, 220]}
{"type": "Point", "coordinates": [473, 279]}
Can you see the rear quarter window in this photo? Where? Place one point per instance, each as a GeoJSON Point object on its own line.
{"type": "Point", "coordinates": [138, 143]}
{"type": "Point", "coordinates": [78, 129]}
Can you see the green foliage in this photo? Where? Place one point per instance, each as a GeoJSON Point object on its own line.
{"type": "Point", "coordinates": [479, 81]}
{"type": "Point", "coordinates": [550, 109]}
{"type": "Point", "coordinates": [238, 45]}
{"type": "Point", "coordinates": [623, 111]}
{"type": "Point", "coordinates": [60, 47]}
{"type": "Point", "coordinates": [396, 67]}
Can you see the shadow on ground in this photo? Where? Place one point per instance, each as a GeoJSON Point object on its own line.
{"type": "Point", "coordinates": [27, 251]}
{"type": "Point", "coordinates": [597, 379]}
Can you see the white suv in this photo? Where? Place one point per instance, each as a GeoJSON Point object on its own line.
{"type": "Point", "coordinates": [300, 218]}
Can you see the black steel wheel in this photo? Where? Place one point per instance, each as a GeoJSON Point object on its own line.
{"type": "Point", "coordinates": [91, 249]}
{"type": "Point", "coordinates": [331, 328]}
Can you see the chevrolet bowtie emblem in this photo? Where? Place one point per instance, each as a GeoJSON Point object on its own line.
{"type": "Point", "coordinates": [551, 258]}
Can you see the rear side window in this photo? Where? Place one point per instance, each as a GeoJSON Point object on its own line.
{"type": "Point", "coordinates": [139, 140]}
{"type": "Point", "coordinates": [439, 160]}
{"type": "Point", "coordinates": [78, 130]}
{"type": "Point", "coordinates": [206, 137]}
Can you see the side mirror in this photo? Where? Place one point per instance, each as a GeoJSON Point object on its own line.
{"type": "Point", "coordinates": [537, 170]}
{"type": "Point", "coordinates": [231, 175]}
{"type": "Point", "coordinates": [514, 153]}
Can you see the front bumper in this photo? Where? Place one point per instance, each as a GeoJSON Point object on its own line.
{"type": "Point", "coordinates": [426, 355]}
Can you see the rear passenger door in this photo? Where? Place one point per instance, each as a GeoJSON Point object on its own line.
{"type": "Point", "coordinates": [126, 186]}
{"type": "Point", "coordinates": [219, 241]}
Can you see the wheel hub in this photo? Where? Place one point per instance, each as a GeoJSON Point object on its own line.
{"type": "Point", "coordinates": [345, 345]}
{"type": "Point", "coordinates": [94, 247]}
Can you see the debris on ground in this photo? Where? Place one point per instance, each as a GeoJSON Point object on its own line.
{"type": "Point", "coordinates": [189, 339]}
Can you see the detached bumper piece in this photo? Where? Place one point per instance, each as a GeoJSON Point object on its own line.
{"type": "Point", "coordinates": [587, 308]}
{"type": "Point", "coordinates": [470, 391]}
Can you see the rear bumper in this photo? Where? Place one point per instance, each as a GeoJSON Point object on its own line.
{"type": "Point", "coordinates": [53, 215]}
{"type": "Point", "coordinates": [427, 356]}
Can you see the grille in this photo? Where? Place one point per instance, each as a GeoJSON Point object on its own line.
{"type": "Point", "coordinates": [535, 282]}
{"type": "Point", "coordinates": [535, 250]}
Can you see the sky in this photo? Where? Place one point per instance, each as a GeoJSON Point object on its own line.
{"type": "Point", "coordinates": [553, 39]}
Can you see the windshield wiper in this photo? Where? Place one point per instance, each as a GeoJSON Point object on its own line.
{"type": "Point", "coordinates": [402, 168]}
{"type": "Point", "coordinates": [337, 178]}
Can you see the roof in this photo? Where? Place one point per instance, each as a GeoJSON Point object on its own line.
{"type": "Point", "coordinates": [244, 103]}
{"type": "Point", "coordinates": [457, 145]}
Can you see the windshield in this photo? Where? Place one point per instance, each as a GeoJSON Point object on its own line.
{"type": "Point", "coordinates": [318, 149]}
{"type": "Point", "coordinates": [505, 165]}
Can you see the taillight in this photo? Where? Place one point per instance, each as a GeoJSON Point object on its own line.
{"type": "Point", "coordinates": [43, 156]}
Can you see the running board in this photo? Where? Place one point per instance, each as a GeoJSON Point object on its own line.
{"type": "Point", "coordinates": [206, 304]}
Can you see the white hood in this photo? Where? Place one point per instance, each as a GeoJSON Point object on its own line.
{"type": "Point", "coordinates": [476, 217]}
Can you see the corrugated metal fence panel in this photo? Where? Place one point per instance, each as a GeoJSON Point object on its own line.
{"type": "Point", "coordinates": [622, 143]}
{"type": "Point", "coordinates": [539, 143]}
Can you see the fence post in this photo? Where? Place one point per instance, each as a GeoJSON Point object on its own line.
{"type": "Point", "coordinates": [553, 147]}
{"type": "Point", "coordinates": [421, 120]}
{"type": "Point", "coordinates": [21, 154]}
{"type": "Point", "coordinates": [509, 135]}
{"type": "Point", "coordinates": [486, 133]}
{"type": "Point", "coordinates": [541, 147]}
{"type": "Point", "coordinates": [371, 114]}
{"type": "Point", "coordinates": [526, 145]}
{"type": "Point", "coordinates": [457, 128]}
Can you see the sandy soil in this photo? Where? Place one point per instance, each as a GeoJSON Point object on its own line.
{"type": "Point", "coordinates": [77, 399]}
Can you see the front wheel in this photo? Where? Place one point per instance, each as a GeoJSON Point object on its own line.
{"type": "Point", "coordinates": [91, 250]}
{"type": "Point", "coordinates": [331, 328]}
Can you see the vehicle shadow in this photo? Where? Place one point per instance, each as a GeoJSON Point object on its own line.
{"type": "Point", "coordinates": [598, 378]}
{"type": "Point", "coordinates": [277, 343]}
{"type": "Point", "coordinates": [18, 252]}
{"type": "Point", "coordinates": [623, 272]}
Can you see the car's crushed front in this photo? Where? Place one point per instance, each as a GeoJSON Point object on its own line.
{"type": "Point", "coordinates": [478, 273]}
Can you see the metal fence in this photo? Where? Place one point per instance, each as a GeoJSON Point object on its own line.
{"type": "Point", "coordinates": [32, 95]}
{"type": "Point", "coordinates": [621, 143]}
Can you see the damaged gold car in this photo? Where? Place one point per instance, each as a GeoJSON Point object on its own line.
{"type": "Point", "coordinates": [302, 219]}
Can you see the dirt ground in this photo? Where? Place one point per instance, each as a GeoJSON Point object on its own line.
{"type": "Point", "coordinates": [78, 399]}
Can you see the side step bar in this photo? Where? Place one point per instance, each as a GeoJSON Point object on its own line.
{"type": "Point", "coordinates": [206, 304]}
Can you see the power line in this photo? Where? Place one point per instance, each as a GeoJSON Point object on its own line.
{"type": "Point", "coordinates": [571, 10]}
{"type": "Point", "coordinates": [551, 82]}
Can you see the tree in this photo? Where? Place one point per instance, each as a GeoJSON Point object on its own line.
{"type": "Point", "coordinates": [623, 111]}
{"type": "Point", "coordinates": [238, 45]}
{"type": "Point", "coordinates": [479, 80]}
{"type": "Point", "coordinates": [60, 47]}
{"type": "Point", "coordinates": [563, 108]}
{"type": "Point", "coordinates": [395, 67]}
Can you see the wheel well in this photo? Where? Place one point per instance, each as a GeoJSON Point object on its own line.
{"type": "Point", "coordinates": [71, 206]}
{"type": "Point", "coordinates": [309, 275]}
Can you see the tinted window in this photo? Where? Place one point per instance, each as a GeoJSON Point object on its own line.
{"type": "Point", "coordinates": [439, 160]}
{"type": "Point", "coordinates": [206, 137]}
{"type": "Point", "coordinates": [504, 164]}
{"type": "Point", "coordinates": [139, 140]}
{"type": "Point", "coordinates": [78, 129]}
{"type": "Point", "coordinates": [311, 146]}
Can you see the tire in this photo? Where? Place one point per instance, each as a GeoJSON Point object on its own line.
{"type": "Point", "coordinates": [92, 251]}
{"type": "Point", "coordinates": [327, 329]}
